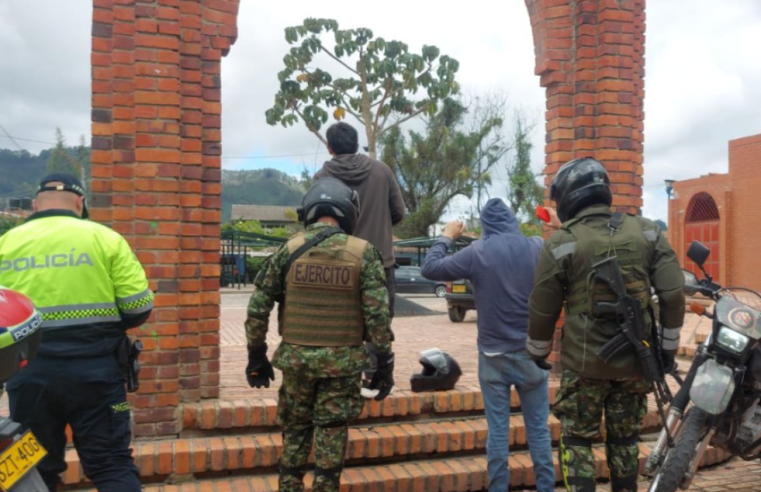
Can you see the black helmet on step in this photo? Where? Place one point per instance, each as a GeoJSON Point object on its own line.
{"type": "Point", "coordinates": [440, 371]}
{"type": "Point", "coordinates": [578, 184]}
{"type": "Point", "coordinates": [330, 197]}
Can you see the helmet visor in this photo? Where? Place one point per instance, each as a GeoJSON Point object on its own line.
{"type": "Point", "coordinates": [435, 358]}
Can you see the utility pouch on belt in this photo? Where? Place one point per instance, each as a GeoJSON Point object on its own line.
{"type": "Point", "coordinates": [127, 355]}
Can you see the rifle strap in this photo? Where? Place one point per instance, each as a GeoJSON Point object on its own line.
{"type": "Point", "coordinates": [615, 222]}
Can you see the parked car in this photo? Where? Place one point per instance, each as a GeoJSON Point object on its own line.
{"type": "Point", "coordinates": [459, 299]}
{"type": "Point", "coordinates": [409, 280]}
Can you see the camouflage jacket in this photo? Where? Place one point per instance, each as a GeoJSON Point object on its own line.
{"type": "Point", "coordinates": [318, 362]}
{"type": "Point", "coordinates": [566, 260]}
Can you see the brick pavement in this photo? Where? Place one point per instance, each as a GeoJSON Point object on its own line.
{"type": "Point", "coordinates": [413, 334]}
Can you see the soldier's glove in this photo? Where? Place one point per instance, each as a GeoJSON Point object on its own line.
{"type": "Point", "coordinates": [543, 364]}
{"type": "Point", "coordinates": [383, 379]}
{"type": "Point", "coordinates": [669, 364]}
{"type": "Point", "coordinates": [259, 371]}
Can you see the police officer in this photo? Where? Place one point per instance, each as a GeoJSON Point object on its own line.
{"type": "Point", "coordinates": [335, 298]}
{"type": "Point", "coordinates": [90, 288]}
{"type": "Point", "coordinates": [589, 386]}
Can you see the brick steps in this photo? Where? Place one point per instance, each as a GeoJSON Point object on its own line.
{"type": "Point", "coordinates": [206, 456]}
{"type": "Point", "coordinates": [259, 413]}
{"type": "Point", "coordinates": [457, 474]}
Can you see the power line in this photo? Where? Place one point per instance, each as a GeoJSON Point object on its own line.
{"type": "Point", "coordinates": [8, 135]}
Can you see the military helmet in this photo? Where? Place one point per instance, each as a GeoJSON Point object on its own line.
{"type": "Point", "coordinates": [330, 197]}
{"type": "Point", "coordinates": [440, 371]}
{"type": "Point", "coordinates": [20, 332]}
{"type": "Point", "coordinates": [578, 184]}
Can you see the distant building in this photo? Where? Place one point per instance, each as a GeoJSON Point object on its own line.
{"type": "Point", "coordinates": [723, 211]}
{"type": "Point", "coordinates": [270, 216]}
{"type": "Point", "coordinates": [17, 207]}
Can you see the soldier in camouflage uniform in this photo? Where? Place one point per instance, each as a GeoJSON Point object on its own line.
{"type": "Point", "coordinates": [564, 278]}
{"type": "Point", "coordinates": [333, 297]}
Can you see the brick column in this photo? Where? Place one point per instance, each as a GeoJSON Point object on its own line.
{"type": "Point", "coordinates": [156, 179]}
{"type": "Point", "coordinates": [590, 59]}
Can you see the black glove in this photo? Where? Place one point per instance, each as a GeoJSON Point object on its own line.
{"type": "Point", "coordinates": [259, 371]}
{"type": "Point", "coordinates": [669, 364]}
{"type": "Point", "coordinates": [383, 379]}
{"type": "Point", "coordinates": [543, 364]}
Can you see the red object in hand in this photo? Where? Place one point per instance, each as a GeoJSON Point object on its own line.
{"type": "Point", "coordinates": [542, 214]}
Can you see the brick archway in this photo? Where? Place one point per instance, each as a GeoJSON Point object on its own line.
{"type": "Point", "coordinates": [702, 223]}
{"type": "Point", "coordinates": [156, 153]}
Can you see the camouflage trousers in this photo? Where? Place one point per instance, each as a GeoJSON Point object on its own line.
{"type": "Point", "coordinates": [318, 409]}
{"type": "Point", "coordinates": [579, 405]}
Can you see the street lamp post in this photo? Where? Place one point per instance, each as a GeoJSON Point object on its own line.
{"type": "Point", "coordinates": [669, 187]}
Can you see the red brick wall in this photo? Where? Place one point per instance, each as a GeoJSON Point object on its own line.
{"type": "Point", "coordinates": [745, 234]}
{"type": "Point", "coordinates": [156, 128]}
{"type": "Point", "coordinates": [590, 59]}
{"type": "Point", "coordinates": [739, 201]}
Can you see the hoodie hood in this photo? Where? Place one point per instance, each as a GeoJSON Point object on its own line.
{"type": "Point", "coordinates": [497, 218]}
{"type": "Point", "coordinates": [352, 169]}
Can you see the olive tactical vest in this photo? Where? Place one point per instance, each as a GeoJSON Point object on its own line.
{"type": "Point", "coordinates": [323, 306]}
{"type": "Point", "coordinates": [634, 250]}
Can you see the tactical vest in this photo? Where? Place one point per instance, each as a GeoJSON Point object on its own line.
{"type": "Point", "coordinates": [323, 302]}
{"type": "Point", "coordinates": [629, 243]}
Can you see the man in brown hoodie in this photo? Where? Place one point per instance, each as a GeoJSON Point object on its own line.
{"type": "Point", "coordinates": [380, 199]}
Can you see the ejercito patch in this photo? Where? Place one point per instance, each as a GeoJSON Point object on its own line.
{"type": "Point", "coordinates": [323, 275]}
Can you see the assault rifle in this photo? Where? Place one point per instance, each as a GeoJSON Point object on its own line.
{"type": "Point", "coordinates": [628, 315]}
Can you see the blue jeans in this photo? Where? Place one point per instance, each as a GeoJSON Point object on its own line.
{"type": "Point", "coordinates": [497, 375]}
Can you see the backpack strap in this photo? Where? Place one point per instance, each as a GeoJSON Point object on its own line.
{"type": "Point", "coordinates": [318, 238]}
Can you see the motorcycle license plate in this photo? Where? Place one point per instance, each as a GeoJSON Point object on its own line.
{"type": "Point", "coordinates": [458, 289]}
{"type": "Point", "coordinates": [19, 459]}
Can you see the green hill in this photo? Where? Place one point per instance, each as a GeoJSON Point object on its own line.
{"type": "Point", "coordinates": [260, 187]}
{"type": "Point", "coordinates": [22, 170]}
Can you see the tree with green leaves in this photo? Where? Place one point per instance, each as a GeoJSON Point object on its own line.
{"type": "Point", "coordinates": [378, 82]}
{"type": "Point", "coordinates": [8, 222]}
{"type": "Point", "coordinates": [523, 191]}
{"type": "Point", "coordinates": [450, 158]}
{"type": "Point", "coordinates": [60, 161]}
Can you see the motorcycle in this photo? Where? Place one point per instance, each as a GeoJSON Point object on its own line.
{"type": "Point", "coordinates": [723, 384]}
{"type": "Point", "coordinates": [19, 455]}
{"type": "Point", "coordinates": [20, 336]}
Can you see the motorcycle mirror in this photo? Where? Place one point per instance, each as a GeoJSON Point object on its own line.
{"type": "Point", "coordinates": [698, 253]}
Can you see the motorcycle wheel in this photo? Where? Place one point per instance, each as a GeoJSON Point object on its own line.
{"type": "Point", "coordinates": [669, 477]}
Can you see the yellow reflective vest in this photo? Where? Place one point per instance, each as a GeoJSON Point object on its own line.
{"type": "Point", "coordinates": [83, 278]}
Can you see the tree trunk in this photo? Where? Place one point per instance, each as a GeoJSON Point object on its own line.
{"type": "Point", "coordinates": [366, 114]}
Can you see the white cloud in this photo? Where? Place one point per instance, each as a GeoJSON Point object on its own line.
{"type": "Point", "coordinates": [703, 84]}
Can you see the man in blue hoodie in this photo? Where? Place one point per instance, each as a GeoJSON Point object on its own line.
{"type": "Point", "coordinates": [501, 267]}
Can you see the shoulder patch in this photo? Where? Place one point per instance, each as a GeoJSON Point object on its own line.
{"type": "Point", "coordinates": [564, 250]}
{"type": "Point", "coordinates": [650, 235]}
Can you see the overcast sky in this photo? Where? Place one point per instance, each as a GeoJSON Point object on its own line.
{"type": "Point", "coordinates": [703, 76]}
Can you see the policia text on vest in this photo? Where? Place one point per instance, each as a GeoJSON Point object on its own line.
{"type": "Point", "coordinates": [60, 260]}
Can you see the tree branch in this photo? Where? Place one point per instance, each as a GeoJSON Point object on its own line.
{"type": "Point", "coordinates": [338, 59]}
{"type": "Point", "coordinates": [402, 89]}
{"type": "Point", "coordinates": [311, 128]}
{"type": "Point", "coordinates": [399, 122]}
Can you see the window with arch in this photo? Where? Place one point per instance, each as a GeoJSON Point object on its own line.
{"type": "Point", "coordinates": [702, 208]}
